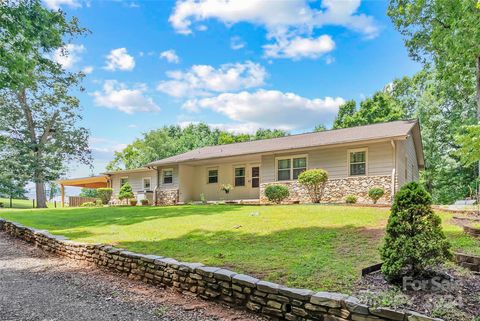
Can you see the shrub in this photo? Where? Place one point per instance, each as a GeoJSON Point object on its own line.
{"type": "Point", "coordinates": [88, 204]}
{"type": "Point", "coordinates": [1, 204]}
{"type": "Point", "coordinates": [276, 193]}
{"type": "Point", "coordinates": [144, 202]}
{"type": "Point", "coordinates": [375, 193]}
{"type": "Point", "coordinates": [351, 199]}
{"type": "Point", "coordinates": [414, 239]}
{"type": "Point", "coordinates": [133, 202]}
{"type": "Point", "coordinates": [314, 181]}
{"type": "Point", "coordinates": [227, 188]}
{"type": "Point", "coordinates": [126, 192]}
{"type": "Point", "coordinates": [104, 194]}
{"type": "Point", "coordinates": [98, 203]}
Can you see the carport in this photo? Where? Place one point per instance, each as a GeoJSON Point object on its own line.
{"type": "Point", "coordinates": [86, 182]}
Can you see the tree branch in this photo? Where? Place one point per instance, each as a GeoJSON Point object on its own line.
{"type": "Point", "coordinates": [21, 96]}
{"type": "Point", "coordinates": [48, 128]}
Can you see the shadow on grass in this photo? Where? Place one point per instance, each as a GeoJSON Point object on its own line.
{"type": "Point", "coordinates": [315, 257]}
{"type": "Point", "coordinates": [96, 217]}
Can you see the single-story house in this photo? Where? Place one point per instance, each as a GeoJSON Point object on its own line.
{"type": "Point", "coordinates": [383, 155]}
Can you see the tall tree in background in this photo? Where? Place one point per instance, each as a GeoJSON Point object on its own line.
{"type": "Point", "coordinates": [172, 140]}
{"type": "Point", "coordinates": [345, 114]}
{"type": "Point", "coordinates": [38, 115]}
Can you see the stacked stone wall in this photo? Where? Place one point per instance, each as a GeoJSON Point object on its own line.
{"type": "Point", "coordinates": [213, 283]}
{"type": "Point", "coordinates": [337, 189]}
{"type": "Point", "coordinates": [167, 197]}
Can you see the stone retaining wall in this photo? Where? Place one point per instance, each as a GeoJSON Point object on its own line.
{"type": "Point", "coordinates": [470, 262]}
{"type": "Point", "coordinates": [213, 283]}
{"type": "Point", "coordinates": [473, 231]}
{"type": "Point", "coordinates": [167, 197]}
{"type": "Point", "coordinates": [337, 189]}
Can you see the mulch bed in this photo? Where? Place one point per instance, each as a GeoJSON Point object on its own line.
{"type": "Point", "coordinates": [458, 299]}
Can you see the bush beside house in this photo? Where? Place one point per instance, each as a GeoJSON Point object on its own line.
{"type": "Point", "coordinates": [314, 181]}
{"type": "Point", "coordinates": [276, 193]}
{"type": "Point", "coordinates": [414, 238]}
{"type": "Point", "coordinates": [376, 193]}
{"type": "Point", "coordinates": [126, 192]}
{"type": "Point", "coordinates": [104, 194]}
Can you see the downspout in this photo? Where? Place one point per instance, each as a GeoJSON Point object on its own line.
{"type": "Point", "coordinates": [155, 192]}
{"type": "Point", "coordinates": [394, 161]}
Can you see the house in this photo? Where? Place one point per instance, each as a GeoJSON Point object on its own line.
{"type": "Point", "coordinates": [386, 155]}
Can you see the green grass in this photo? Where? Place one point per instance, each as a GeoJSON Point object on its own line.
{"type": "Point", "coordinates": [311, 246]}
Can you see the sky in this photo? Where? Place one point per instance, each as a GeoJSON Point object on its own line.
{"type": "Point", "coordinates": [238, 65]}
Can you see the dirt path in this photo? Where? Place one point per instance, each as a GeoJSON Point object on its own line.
{"type": "Point", "coordinates": [35, 285]}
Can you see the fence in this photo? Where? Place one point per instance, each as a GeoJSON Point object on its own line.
{"type": "Point", "coordinates": [76, 201]}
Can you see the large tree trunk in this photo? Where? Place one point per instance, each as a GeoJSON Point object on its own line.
{"type": "Point", "coordinates": [41, 196]}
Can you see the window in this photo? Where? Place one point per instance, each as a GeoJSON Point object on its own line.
{"type": "Point", "coordinates": [358, 162]}
{"type": "Point", "coordinates": [255, 176]}
{"type": "Point", "coordinates": [147, 183]}
{"type": "Point", "coordinates": [290, 168]}
{"type": "Point", "coordinates": [167, 176]}
{"type": "Point", "coordinates": [123, 180]}
{"type": "Point", "coordinates": [240, 176]}
{"type": "Point", "coordinates": [212, 176]}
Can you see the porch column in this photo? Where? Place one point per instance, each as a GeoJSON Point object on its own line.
{"type": "Point", "coordinates": [62, 189]}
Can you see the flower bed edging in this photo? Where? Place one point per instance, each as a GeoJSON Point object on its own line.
{"type": "Point", "coordinates": [213, 283]}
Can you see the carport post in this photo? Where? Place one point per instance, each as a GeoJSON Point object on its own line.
{"type": "Point", "coordinates": [62, 189]}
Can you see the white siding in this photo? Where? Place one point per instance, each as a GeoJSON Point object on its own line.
{"type": "Point", "coordinates": [135, 179]}
{"type": "Point", "coordinates": [335, 161]}
{"type": "Point", "coordinates": [407, 165]}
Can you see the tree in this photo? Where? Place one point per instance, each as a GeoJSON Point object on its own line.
{"type": "Point", "coordinates": [38, 114]}
{"type": "Point", "coordinates": [414, 239]}
{"type": "Point", "coordinates": [126, 192]}
{"type": "Point", "coordinates": [375, 194]}
{"type": "Point", "coordinates": [105, 194]}
{"type": "Point", "coordinates": [320, 128]}
{"type": "Point", "coordinates": [54, 190]}
{"type": "Point", "coordinates": [314, 180]}
{"type": "Point", "coordinates": [345, 113]}
{"type": "Point", "coordinates": [89, 192]}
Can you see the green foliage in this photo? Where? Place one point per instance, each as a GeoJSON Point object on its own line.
{"type": "Point", "coordinates": [314, 181]}
{"type": "Point", "coordinates": [88, 204]}
{"type": "Point", "coordinates": [172, 140]}
{"type": "Point", "coordinates": [345, 114]}
{"type": "Point", "coordinates": [227, 188]}
{"type": "Point", "coordinates": [144, 202]}
{"type": "Point", "coordinates": [469, 142]}
{"type": "Point", "coordinates": [276, 193]}
{"type": "Point", "coordinates": [133, 202]}
{"type": "Point", "coordinates": [375, 194]}
{"type": "Point", "coordinates": [54, 191]}
{"type": "Point", "coordinates": [202, 198]}
{"type": "Point", "coordinates": [414, 239]}
{"type": "Point", "coordinates": [104, 194]}
{"type": "Point", "coordinates": [126, 192]}
{"type": "Point", "coordinates": [320, 128]}
{"type": "Point", "coordinates": [1, 204]}
{"type": "Point", "coordinates": [38, 113]}
{"type": "Point", "coordinates": [88, 192]}
{"type": "Point", "coordinates": [351, 199]}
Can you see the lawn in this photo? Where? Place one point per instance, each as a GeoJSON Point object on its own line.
{"type": "Point", "coordinates": [19, 203]}
{"type": "Point", "coordinates": [310, 246]}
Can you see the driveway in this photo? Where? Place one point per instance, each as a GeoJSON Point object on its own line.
{"type": "Point", "coordinates": [35, 285]}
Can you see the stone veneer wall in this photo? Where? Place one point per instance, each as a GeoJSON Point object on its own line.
{"type": "Point", "coordinates": [167, 197]}
{"type": "Point", "coordinates": [213, 283]}
{"type": "Point", "coordinates": [336, 189]}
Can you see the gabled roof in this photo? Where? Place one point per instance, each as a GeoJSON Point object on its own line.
{"type": "Point", "coordinates": [395, 129]}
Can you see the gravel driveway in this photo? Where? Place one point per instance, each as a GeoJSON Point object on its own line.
{"type": "Point", "coordinates": [35, 285]}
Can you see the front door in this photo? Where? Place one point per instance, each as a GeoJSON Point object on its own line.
{"type": "Point", "coordinates": [255, 181]}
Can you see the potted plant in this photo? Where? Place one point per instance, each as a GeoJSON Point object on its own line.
{"type": "Point", "coordinates": [227, 188]}
{"type": "Point", "coordinates": [133, 202]}
{"type": "Point", "coordinates": [144, 202]}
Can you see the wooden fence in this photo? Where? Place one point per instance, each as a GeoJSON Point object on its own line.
{"type": "Point", "coordinates": [76, 201]}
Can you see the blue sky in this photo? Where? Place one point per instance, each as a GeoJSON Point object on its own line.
{"type": "Point", "coordinates": [237, 65]}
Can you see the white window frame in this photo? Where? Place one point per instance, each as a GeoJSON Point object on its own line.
{"type": "Point", "coordinates": [208, 174]}
{"type": "Point", "coordinates": [356, 150]}
{"type": "Point", "coordinates": [143, 183]}
{"type": "Point", "coordinates": [123, 177]}
{"type": "Point", "coordinates": [291, 165]}
{"type": "Point", "coordinates": [244, 175]}
{"type": "Point", "coordinates": [163, 175]}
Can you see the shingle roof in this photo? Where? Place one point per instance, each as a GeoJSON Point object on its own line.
{"type": "Point", "coordinates": [329, 137]}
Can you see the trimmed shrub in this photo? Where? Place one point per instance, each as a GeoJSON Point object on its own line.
{"type": "Point", "coordinates": [375, 193]}
{"type": "Point", "coordinates": [351, 199]}
{"type": "Point", "coordinates": [126, 192]}
{"type": "Point", "coordinates": [133, 202]}
{"type": "Point", "coordinates": [88, 204]}
{"type": "Point", "coordinates": [1, 204]}
{"type": "Point", "coordinates": [105, 194]}
{"type": "Point", "coordinates": [314, 180]}
{"type": "Point", "coordinates": [144, 202]}
{"type": "Point", "coordinates": [99, 203]}
{"type": "Point", "coordinates": [414, 239]}
{"type": "Point", "coordinates": [276, 193]}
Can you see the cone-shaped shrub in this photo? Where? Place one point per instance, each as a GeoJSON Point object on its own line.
{"type": "Point", "coordinates": [414, 240]}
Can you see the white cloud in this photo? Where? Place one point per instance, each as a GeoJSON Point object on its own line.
{"type": "Point", "coordinates": [87, 70]}
{"type": "Point", "coordinates": [119, 59]}
{"type": "Point", "coordinates": [68, 55]}
{"type": "Point", "coordinates": [298, 47]}
{"type": "Point", "coordinates": [132, 126]}
{"type": "Point", "coordinates": [270, 108]}
{"type": "Point", "coordinates": [55, 4]}
{"type": "Point", "coordinates": [237, 43]}
{"type": "Point", "coordinates": [204, 79]}
{"type": "Point", "coordinates": [170, 56]}
{"type": "Point", "coordinates": [282, 19]}
{"type": "Point", "coordinates": [116, 95]}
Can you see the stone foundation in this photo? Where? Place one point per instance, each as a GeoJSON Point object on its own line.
{"type": "Point", "coordinates": [167, 197]}
{"type": "Point", "coordinates": [213, 283]}
{"type": "Point", "coordinates": [337, 189]}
